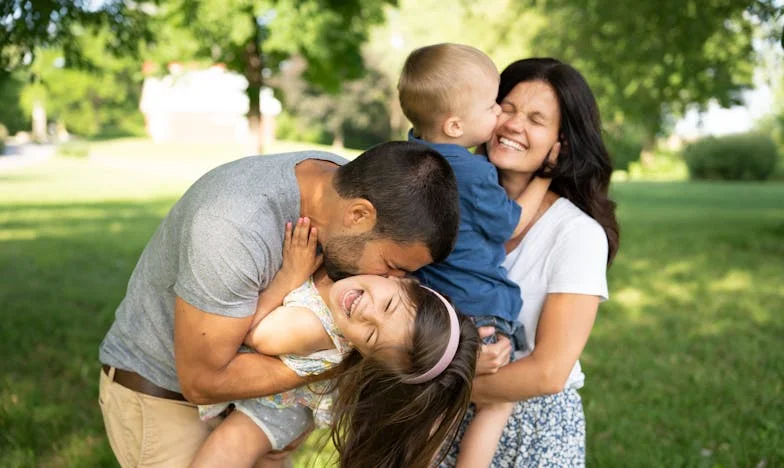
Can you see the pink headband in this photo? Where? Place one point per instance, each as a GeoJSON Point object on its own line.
{"type": "Point", "coordinates": [451, 347]}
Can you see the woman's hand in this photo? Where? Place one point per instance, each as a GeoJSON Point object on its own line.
{"type": "Point", "coordinates": [299, 253]}
{"type": "Point", "coordinates": [493, 356]}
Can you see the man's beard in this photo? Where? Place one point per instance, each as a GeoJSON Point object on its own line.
{"type": "Point", "coordinates": [342, 254]}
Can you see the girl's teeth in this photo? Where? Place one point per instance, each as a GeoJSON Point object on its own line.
{"type": "Point", "coordinates": [350, 300]}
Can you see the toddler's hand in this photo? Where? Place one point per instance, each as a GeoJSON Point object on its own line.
{"type": "Point", "coordinates": [493, 356]}
{"type": "Point", "coordinates": [299, 252]}
{"type": "Point", "coordinates": [555, 151]}
{"type": "Point", "coordinates": [549, 163]}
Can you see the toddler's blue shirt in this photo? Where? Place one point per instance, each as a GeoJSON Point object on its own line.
{"type": "Point", "coordinates": [472, 275]}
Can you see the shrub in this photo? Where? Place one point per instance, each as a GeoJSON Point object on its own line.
{"type": "Point", "coordinates": [624, 144]}
{"type": "Point", "coordinates": [74, 149]}
{"type": "Point", "coordinates": [745, 156]}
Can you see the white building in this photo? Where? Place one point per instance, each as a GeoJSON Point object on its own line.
{"type": "Point", "coordinates": [202, 105]}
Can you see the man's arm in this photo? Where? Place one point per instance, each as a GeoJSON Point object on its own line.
{"type": "Point", "coordinates": [209, 367]}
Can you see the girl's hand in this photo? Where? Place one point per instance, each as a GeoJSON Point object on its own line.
{"type": "Point", "coordinates": [299, 253]}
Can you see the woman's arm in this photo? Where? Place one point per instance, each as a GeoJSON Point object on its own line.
{"type": "Point", "coordinates": [564, 327]}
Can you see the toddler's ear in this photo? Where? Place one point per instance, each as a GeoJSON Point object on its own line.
{"type": "Point", "coordinates": [453, 127]}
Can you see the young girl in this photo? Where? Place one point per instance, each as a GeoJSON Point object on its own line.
{"type": "Point", "coordinates": [401, 362]}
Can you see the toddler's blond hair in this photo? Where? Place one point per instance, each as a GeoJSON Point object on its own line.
{"type": "Point", "coordinates": [436, 81]}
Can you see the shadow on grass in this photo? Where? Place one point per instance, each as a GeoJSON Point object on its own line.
{"type": "Point", "coordinates": [683, 368]}
{"type": "Point", "coordinates": [67, 267]}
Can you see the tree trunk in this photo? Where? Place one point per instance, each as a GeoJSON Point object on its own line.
{"type": "Point", "coordinates": [397, 120]}
{"type": "Point", "coordinates": [338, 139]}
{"type": "Point", "coordinates": [647, 155]}
{"type": "Point", "coordinates": [254, 65]}
{"type": "Point", "coordinates": [39, 122]}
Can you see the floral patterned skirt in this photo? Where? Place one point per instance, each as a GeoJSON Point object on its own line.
{"type": "Point", "coordinates": [545, 431]}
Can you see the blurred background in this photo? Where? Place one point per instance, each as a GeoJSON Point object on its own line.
{"type": "Point", "coordinates": [109, 109]}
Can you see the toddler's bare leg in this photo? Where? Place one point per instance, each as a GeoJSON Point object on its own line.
{"type": "Point", "coordinates": [265, 462]}
{"type": "Point", "coordinates": [237, 441]}
{"type": "Point", "coordinates": [482, 435]}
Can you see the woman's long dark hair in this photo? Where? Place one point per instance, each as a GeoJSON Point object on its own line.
{"type": "Point", "coordinates": [582, 172]}
{"type": "Point", "coordinates": [381, 422]}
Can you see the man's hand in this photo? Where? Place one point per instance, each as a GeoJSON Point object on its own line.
{"type": "Point", "coordinates": [493, 356]}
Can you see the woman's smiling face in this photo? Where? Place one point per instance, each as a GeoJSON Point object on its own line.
{"type": "Point", "coordinates": [373, 312]}
{"type": "Point", "coordinates": [527, 128]}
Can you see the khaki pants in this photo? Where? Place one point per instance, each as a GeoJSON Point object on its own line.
{"type": "Point", "coordinates": [146, 431]}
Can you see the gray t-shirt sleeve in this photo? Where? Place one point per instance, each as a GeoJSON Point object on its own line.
{"type": "Point", "coordinates": [220, 266]}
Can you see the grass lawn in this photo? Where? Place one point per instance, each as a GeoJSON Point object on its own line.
{"type": "Point", "coordinates": [685, 365]}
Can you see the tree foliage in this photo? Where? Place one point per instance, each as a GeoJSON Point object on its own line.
{"type": "Point", "coordinates": [253, 37]}
{"type": "Point", "coordinates": [29, 25]}
{"type": "Point", "coordinates": [12, 115]}
{"type": "Point", "coordinates": [86, 101]}
{"type": "Point", "coordinates": [649, 59]}
{"type": "Point", "coordinates": [357, 116]}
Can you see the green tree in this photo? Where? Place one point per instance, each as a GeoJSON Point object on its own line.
{"type": "Point", "coordinates": [646, 60]}
{"type": "Point", "coordinates": [416, 23]}
{"type": "Point", "coordinates": [356, 116]}
{"type": "Point", "coordinates": [12, 114]}
{"type": "Point", "coordinates": [650, 59]}
{"type": "Point", "coordinates": [27, 26]}
{"type": "Point", "coordinates": [253, 37]}
{"type": "Point", "coordinates": [88, 101]}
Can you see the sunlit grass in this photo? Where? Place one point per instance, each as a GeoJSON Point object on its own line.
{"type": "Point", "coordinates": [684, 368]}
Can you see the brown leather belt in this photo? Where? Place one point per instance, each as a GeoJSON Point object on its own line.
{"type": "Point", "coordinates": [137, 383]}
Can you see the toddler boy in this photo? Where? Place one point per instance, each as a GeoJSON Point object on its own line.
{"type": "Point", "coordinates": [448, 92]}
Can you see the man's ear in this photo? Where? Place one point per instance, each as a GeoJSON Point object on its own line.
{"type": "Point", "coordinates": [453, 127]}
{"type": "Point", "coordinates": [360, 215]}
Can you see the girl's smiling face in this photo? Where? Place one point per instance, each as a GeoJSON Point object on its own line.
{"type": "Point", "coordinates": [373, 312]}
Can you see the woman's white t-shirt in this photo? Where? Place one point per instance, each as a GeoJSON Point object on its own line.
{"type": "Point", "coordinates": [565, 251]}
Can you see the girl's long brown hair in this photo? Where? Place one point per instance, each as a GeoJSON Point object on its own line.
{"type": "Point", "coordinates": [582, 172]}
{"type": "Point", "coordinates": [380, 422]}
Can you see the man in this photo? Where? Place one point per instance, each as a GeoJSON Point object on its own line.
{"type": "Point", "coordinates": [191, 298]}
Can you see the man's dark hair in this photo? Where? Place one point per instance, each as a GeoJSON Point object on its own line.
{"type": "Point", "coordinates": [413, 189]}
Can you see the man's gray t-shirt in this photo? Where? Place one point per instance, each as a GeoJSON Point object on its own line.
{"type": "Point", "coordinates": [219, 246]}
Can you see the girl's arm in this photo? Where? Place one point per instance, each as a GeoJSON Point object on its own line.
{"type": "Point", "coordinates": [299, 262]}
{"type": "Point", "coordinates": [289, 330]}
{"type": "Point", "coordinates": [563, 331]}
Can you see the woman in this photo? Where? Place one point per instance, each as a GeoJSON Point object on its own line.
{"type": "Point", "coordinates": [560, 261]}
